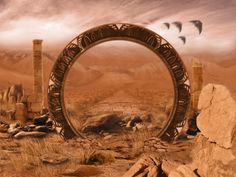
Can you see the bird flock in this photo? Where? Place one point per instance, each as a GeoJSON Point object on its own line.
{"type": "Point", "coordinates": [179, 25]}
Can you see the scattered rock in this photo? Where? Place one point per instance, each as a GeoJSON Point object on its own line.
{"type": "Point", "coordinates": [146, 166]}
{"type": "Point", "coordinates": [107, 122]}
{"type": "Point", "coordinates": [138, 126]}
{"type": "Point", "coordinates": [13, 128]}
{"type": "Point", "coordinates": [40, 120]}
{"type": "Point", "coordinates": [49, 122]}
{"type": "Point", "coordinates": [32, 126]}
{"type": "Point", "coordinates": [155, 145]}
{"type": "Point", "coordinates": [54, 159]}
{"type": "Point", "coordinates": [108, 137]}
{"type": "Point", "coordinates": [217, 119]}
{"type": "Point", "coordinates": [33, 134]}
{"type": "Point", "coordinates": [128, 124]}
{"type": "Point", "coordinates": [135, 121]}
{"type": "Point", "coordinates": [26, 128]}
{"type": "Point", "coordinates": [42, 128]}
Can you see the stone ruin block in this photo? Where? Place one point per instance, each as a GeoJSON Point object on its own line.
{"type": "Point", "coordinates": [21, 112]}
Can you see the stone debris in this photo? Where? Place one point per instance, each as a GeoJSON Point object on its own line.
{"type": "Point", "coordinates": [13, 128]}
{"type": "Point", "coordinates": [155, 145]}
{"type": "Point", "coordinates": [86, 143]}
{"type": "Point", "coordinates": [146, 166]}
{"type": "Point", "coordinates": [134, 121]}
{"type": "Point", "coordinates": [40, 127]}
{"type": "Point", "coordinates": [33, 134]}
{"type": "Point", "coordinates": [40, 120]}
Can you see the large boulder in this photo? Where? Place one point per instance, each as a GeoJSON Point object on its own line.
{"type": "Point", "coordinates": [211, 160]}
{"type": "Point", "coordinates": [217, 120]}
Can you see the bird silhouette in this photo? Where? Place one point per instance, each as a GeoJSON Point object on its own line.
{"type": "Point", "coordinates": [167, 25]}
{"type": "Point", "coordinates": [183, 39]}
{"type": "Point", "coordinates": [178, 25]}
{"type": "Point", "coordinates": [197, 24]}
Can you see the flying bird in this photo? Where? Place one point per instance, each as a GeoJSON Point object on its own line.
{"type": "Point", "coordinates": [167, 25]}
{"type": "Point", "coordinates": [178, 25]}
{"type": "Point", "coordinates": [183, 38]}
{"type": "Point", "coordinates": [197, 24]}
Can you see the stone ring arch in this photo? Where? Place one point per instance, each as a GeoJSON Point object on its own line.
{"type": "Point", "coordinates": [128, 32]}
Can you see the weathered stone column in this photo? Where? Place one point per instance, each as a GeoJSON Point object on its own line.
{"type": "Point", "coordinates": [38, 74]}
{"type": "Point", "coordinates": [197, 82]}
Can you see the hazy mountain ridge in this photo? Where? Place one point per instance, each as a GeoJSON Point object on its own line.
{"type": "Point", "coordinates": [125, 66]}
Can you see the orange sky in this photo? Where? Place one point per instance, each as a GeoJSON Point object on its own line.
{"type": "Point", "coordinates": [58, 21]}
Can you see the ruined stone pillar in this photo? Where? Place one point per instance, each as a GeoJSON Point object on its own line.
{"type": "Point", "coordinates": [38, 74]}
{"type": "Point", "coordinates": [197, 82]}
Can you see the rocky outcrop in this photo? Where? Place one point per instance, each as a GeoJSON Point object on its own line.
{"type": "Point", "coordinates": [211, 160]}
{"type": "Point", "coordinates": [217, 120]}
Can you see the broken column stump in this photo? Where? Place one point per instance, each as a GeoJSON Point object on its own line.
{"type": "Point", "coordinates": [21, 112]}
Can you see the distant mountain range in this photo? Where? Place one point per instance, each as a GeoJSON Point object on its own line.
{"type": "Point", "coordinates": [102, 65]}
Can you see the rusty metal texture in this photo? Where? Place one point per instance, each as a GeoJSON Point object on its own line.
{"type": "Point", "coordinates": [127, 32]}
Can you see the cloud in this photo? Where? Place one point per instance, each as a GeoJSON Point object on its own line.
{"type": "Point", "coordinates": [58, 21]}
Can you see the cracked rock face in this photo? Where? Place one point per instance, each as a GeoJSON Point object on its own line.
{"type": "Point", "coordinates": [211, 160]}
{"type": "Point", "coordinates": [217, 120]}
